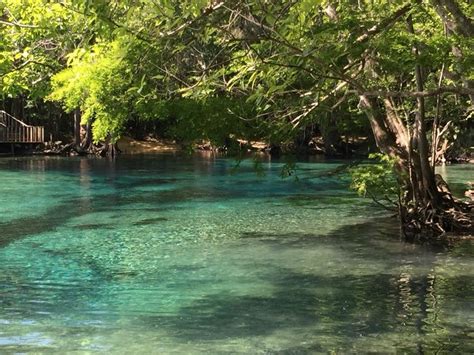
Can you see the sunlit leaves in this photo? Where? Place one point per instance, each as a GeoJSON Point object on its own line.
{"type": "Point", "coordinates": [33, 45]}
{"type": "Point", "coordinates": [121, 59]}
{"type": "Point", "coordinates": [95, 83]}
{"type": "Point", "coordinates": [375, 179]}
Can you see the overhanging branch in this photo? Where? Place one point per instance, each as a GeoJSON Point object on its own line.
{"type": "Point", "coordinates": [415, 94]}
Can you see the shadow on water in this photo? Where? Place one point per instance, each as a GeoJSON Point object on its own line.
{"type": "Point", "coordinates": [343, 306]}
{"type": "Point", "coordinates": [340, 305]}
{"type": "Point", "coordinates": [48, 221]}
{"type": "Point", "coordinates": [149, 221]}
{"type": "Point", "coordinates": [59, 215]}
{"type": "Point", "coordinates": [345, 311]}
{"type": "Point", "coordinates": [90, 172]}
{"type": "Point", "coordinates": [295, 303]}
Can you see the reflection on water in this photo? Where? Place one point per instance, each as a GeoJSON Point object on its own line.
{"type": "Point", "coordinates": [166, 254]}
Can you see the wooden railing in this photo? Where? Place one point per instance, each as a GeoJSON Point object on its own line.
{"type": "Point", "coordinates": [12, 130]}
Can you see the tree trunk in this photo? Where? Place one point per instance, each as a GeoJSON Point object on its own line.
{"type": "Point", "coordinates": [429, 192]}
{"type": "Point", "coordinates": [453, 17]}
{"type": "Point", "coordinates": [330, 135]}
{"type": "Point", "coordinates": [86, 136]}
{"type": "Point", "coordinates": [420, 217]}
{"type": "Point", "coordinates": [77, 127]}
{"type": "Point", "coordinates": [387, 129]}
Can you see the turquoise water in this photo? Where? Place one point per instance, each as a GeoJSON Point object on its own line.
{"type": "Point", "coordinates": [169, 254]}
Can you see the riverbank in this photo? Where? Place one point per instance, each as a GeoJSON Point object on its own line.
{"type": "Point", "coordinates": [128, 145]}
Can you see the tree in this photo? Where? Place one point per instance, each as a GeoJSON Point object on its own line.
{"type": "Point", "coordinates": [291, 62]}
{"type": "Point", "coordinates": [35, 39]}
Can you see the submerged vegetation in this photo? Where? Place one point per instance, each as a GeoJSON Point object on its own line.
{"type": "Point", "coordinates": [399, 74]}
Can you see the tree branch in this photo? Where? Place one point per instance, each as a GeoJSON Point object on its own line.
{"type": "Point", "coordinates": [453, 16]}
{"type": "Point", "coordinates": [17, 24]}
{"type": "Point", "coordinates": [385, 23]}
{"type": "Point", "coordinates": [26, 63]}
{"type": "Point", "coordinates": [205, 12]}
{"type": "Point", "coordinates": [415, 94]}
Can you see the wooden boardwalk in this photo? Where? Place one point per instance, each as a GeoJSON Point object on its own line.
{"type": "Point", "coordinates": [12, 130]}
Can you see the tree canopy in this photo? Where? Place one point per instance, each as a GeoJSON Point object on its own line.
{"type": "Point", "coordinates": [254, 69]}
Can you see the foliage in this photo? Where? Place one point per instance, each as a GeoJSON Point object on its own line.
{"type": "Point", "coordinates": [119, 60]}
{"type": "Point", "coordinates": [35, 35]}
{"type": "Point", "coordinates": [216, 119]}
{"type": "Point", "coordinates": [96, 81]}
{"type": "Point", "coordinates": [289, 169]}
{"type": "Point", "coordinates": [223, 70]}
{"type": "Point", "coordinates": [376, 179]}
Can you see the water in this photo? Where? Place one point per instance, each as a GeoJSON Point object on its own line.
{"type": "Point", "coordinates": [187, 255]}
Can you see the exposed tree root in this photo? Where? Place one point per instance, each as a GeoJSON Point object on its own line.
{"type": "Point", "coordinates": [451, 218]}
{"type": "Point", "coordinates": [71, 149]}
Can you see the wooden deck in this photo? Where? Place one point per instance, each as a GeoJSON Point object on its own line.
{"type": "Point", "coordinates": [12, 130]}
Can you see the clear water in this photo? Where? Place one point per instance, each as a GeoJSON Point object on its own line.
{"type": "Point", "coordinates": [188, 255]}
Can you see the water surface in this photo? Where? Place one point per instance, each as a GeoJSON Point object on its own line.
{"type": "Point", "coordinates": [169, 254]}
